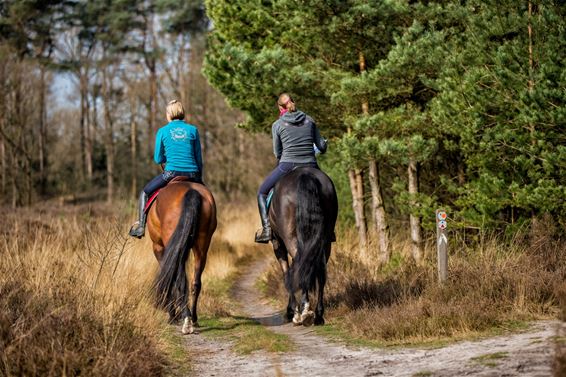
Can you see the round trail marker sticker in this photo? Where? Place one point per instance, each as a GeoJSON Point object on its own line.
{"type": "Point", "coordinates": [441, 216]}
{"type": "Point", "coordinates": [442, 224]}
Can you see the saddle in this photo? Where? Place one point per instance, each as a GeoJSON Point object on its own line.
{"type": "Point", "coordinates": [154, 195]}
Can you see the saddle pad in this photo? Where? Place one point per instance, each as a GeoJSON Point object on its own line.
{"type": "Point", "coordinates": [154, 195]}
{"type": "Point", "coordinates": [150, 201]}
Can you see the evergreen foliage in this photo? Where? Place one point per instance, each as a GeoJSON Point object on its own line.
{"type": "Point", "coordinates": [450, 86]}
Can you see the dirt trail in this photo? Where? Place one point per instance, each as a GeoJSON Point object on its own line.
{"type": "Point", "coordinates": [526, 354]}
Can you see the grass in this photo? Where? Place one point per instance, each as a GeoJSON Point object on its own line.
{"type": "Point", "coordinates": [77, 299]}
{"type": "Point", "coordinates": [424, 373]}
{"type": "Point", "coordinates": [494, 287]}
{"type": "Point", "coordinates": [489, 360]}
{"type": "Point", "coordinates": [559, 362]}
{"type": "Point", "coordinates": [336, 330]}
{"type": "Point", "coordinates": [246, 335]}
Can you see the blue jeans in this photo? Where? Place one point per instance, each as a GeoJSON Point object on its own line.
{"type": "Point", "coordinates": [161, 180]}
{"type": "Point", "coordinates": [281, 169]}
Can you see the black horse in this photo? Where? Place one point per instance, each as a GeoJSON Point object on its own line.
{"type": "Point", "coordinates": [303, 213]}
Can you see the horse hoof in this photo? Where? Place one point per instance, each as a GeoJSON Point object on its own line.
{"type": "Point", "coordinates": [318, 321]}
{"type": "Point", "coordinates": [307, 318]}
{"type": "Point", "coordinates": [188, 327]}
{"type": "Point", "coordinates": [297, 319]}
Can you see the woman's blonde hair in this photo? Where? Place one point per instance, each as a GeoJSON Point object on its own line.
{"type": "Point", "coordinates": [286, 102]}
{"type": "Point", "coordinates": [175, 110]}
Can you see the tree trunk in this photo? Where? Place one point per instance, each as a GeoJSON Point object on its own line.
{"type": "Point", "coordinates": [381, 226]}
{"type": "Point", "coordinates": [42, 134]}
{"type": "Point", "coordinates": [3, 117]}
{"type": "Point", "coordinates": [3, 169]}
{"type": "Point", "coordinates": [109, 136]}
{"type": "Point", "coordinates": [86, 142]}
{"type": "Point", "coordinates": [415, 221]}
{"type": "Point", "coordinates": [152, 106]}
{"type": "Point", "coordinates": [183, 84]}
{"type": "Point", "coordinates": [151, 64]}
{"type": "Point", "coordinates": [29, 183]}
{"type": "Point", "coordinates": [357, 189]}
{"type": "Point", "coordinates": [134, 148]}
{"type": "Point", "coordinates": [14, 179]}
{"type": "Point", "coordinates": [82, 90]}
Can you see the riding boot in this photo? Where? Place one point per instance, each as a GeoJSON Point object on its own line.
{"type": "Point", "coordinates": [138, 229]}
{"type": "Point", "coordinates": [263, 235]}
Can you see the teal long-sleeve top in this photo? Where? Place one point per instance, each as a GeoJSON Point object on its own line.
{"type": "Point", "coordinates": [177, 144]}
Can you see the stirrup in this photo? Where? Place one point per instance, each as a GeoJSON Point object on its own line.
{"type": "Point", "coordinates": [263, 235]}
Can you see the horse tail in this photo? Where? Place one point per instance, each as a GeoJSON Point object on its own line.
{"type": "Point", "coordinates": [172, 278]}
{"type": "Point", "coordinates": [310, 261]}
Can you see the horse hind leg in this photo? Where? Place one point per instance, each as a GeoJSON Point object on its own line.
{"type": "Point", "coordinates": [319, 311]}
{"type": "Point", "coordinates": [200, 251]}
{"type": "Point", "coordinates": [181, 307]}
{"type": "Point", "coordinates": [292, 310]}
{"type": "Point", "coordinates": [282, 257]}
{"type": "Point", "coordinates": [307, 315]}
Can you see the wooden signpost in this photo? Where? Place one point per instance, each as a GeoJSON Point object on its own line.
{"type": "Point", "coordinates": [441, 245]}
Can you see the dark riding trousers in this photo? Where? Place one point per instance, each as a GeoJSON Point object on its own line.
{"type": "Point", "coordinates": [162, 179]}
{"type": "Point", "coordinates": [281, 169]}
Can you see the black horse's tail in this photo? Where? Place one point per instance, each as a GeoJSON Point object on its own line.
{"type": "Point", "coordinates": [172, 280]}
{"type": "Point", "coordinates": [310, 261]}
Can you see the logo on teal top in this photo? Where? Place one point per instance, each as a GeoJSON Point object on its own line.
{"type": "Point", "coordinates": [179, 134]}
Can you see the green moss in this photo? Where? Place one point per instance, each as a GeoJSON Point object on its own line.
{"type": "Point", "coordinates": [424, 373]}
{"type": "Point", "coordinates": [489, 360]}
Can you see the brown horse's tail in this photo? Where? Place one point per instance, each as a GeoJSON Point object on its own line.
{"type": "Point", "coordinates": [171, 282]}
{"type": "Point", "coordinates": [312, 238]}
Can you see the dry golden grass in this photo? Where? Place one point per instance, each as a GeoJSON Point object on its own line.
{"type": "Point", "coordinates": [76, 296]}
{"type": "Point", "coordinates": [559, 364]}
{"type": "Point", "coordinates": [492, 286]}
{"type": "Point", "coordinates": [77, 292]}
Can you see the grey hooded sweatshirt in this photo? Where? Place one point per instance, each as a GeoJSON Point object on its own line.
{"type": "Point", "coordinates": [293, 137]}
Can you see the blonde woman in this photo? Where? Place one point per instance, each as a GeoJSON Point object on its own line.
{"type": "Point", "coordinates": [177, 145]}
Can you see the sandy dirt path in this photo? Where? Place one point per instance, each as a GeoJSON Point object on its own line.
{"type": "Point", "coordinates": [526, 354]}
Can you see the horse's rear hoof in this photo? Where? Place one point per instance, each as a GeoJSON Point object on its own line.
{"type": "Point", "coordinates": [188, 327]}
{"type": "Point", "coordinates": [307, 319]}
{"type": "Point", "coordinates": [318, 321]}
{"type": "Point", "coordinates": [297, 319]}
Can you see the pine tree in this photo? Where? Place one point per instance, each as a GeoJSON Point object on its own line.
{"type": "Point", "coordinates": [306, 48]}
{"type": "Point", "coordinates": [503, 103]}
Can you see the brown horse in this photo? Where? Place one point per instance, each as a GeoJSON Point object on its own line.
{"type": "Point", "coordinates": [182, 218]}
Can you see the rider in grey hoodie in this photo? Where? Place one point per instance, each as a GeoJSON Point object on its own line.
{"type": "Point", "coordinates": [294, 135]}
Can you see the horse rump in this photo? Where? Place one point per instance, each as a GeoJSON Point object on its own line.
{"type": "Point", "coordinates": [171, 281]}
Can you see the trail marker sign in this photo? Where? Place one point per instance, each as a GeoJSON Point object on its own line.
{"type": "Point", "coordinates": [442, 244]}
